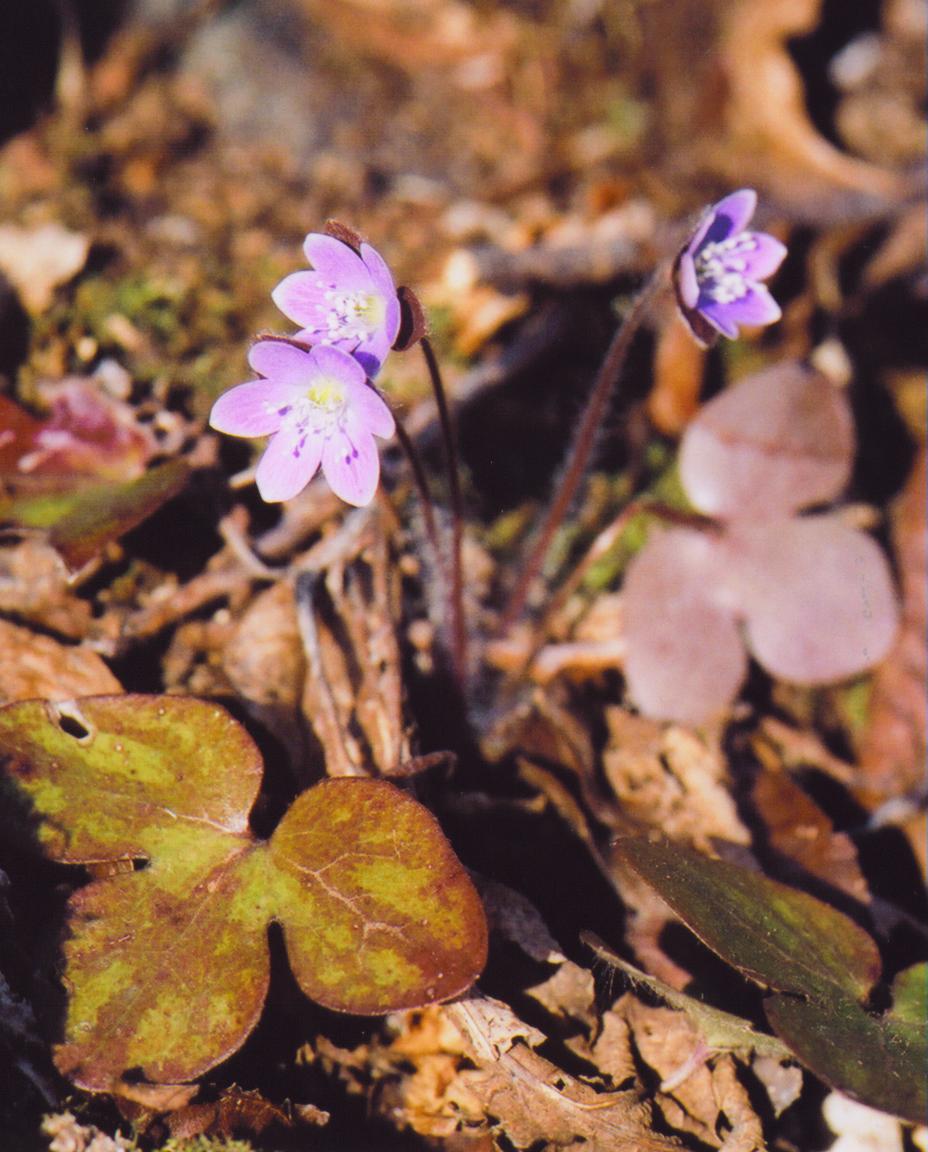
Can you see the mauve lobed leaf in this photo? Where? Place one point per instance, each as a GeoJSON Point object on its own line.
{"type": "Point", "coordinates": [816, 595]}
{"type": "Point", "coordinates": [168, 967]}
{"type": "Point", "coordinates": [780, 440]}
{"type": "Point", "coordinates": [83, 517]}
{"type": "Point", "coordinates": [686, 658]}
{"type": "Point", "coordinates": [880, 1060]}
{"type": "Point", "coordinates": [776, 935]}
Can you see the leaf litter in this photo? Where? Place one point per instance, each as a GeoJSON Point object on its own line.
{"type": "Point", "coordinates": [542, 185]}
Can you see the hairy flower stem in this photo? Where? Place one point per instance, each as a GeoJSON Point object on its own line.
{"type": "Point", "coordinates": [418, 475]}
{"type": "Point", "coordinates": [581, 448]}
{"type": "Point", "coordinates": [456, 590]}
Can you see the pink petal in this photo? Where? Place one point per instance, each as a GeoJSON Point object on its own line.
{"type": "Point", "coordinates": [299, 296]}
{"type": "Point", "coordinates": [372, 410]}
{"type": "Point", "coordinates": [384, 286]}
{"type": "Point", "coordinates": [717, 316]}
{"type": "Point", "coordinates": [280, 361]}
{"type": "Point", "coordinates": [755, 308]}
{"type": "Point", "coordinates": [776, 442]}
{"type": "Point", "coordinates": [336, 262]}
{"type": "Point", "coordinates": [817, 597]}
{"type": "Point", "coordinates": [333, 361]}
{"type": "Point", "coordinates": [288, 464]}
{"type": "Point", "coordinates": [252, 409]}
{"type": "Point", "coordinates": [765, 256]}
{"type": "Point", "coordinates": [687, 284]}
{"type": "Point", "coordinates": [685, 657]}
{"type": "Point", "coordinates": [737, 208]}
{"type": "Point", "coordinates": [351, 464]}
{"type": "Point", "coordinates": [372, 351]}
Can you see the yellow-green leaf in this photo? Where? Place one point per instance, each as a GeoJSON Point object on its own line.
{"type": "Point", "coordinates": [167, 965]}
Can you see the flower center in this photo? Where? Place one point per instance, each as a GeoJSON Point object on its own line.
{"type": "Point", "coordinates": [722, 267]}
{"type": "Point", "coordinates": [352, 315]}
{"type": "Point", "coordinates": [326, 394]}
{"type": "Point", "coordinates": [321, 409]}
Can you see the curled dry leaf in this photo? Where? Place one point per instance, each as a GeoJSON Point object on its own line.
{"type": "Point", "coordinates": [353, 694]}
{"type": "Point", "coordinates": [34, 586]}
{"type": "Point", "coordinates": [769, 127]}
{"type": "Point", "coordinates": [698, 1095]}
{"type": "Point", "coordinates": [376, 911]}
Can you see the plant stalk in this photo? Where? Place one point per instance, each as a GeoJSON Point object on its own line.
{"type": "Point", "coordinates": [449, 440]}
{"type": "Point", "coordinates": [581, 448]}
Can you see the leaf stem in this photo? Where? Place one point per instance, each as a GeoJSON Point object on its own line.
{"type": "Point", "coordinates": [581, 448]}
{"type": "Point", "coordinates": [422, 487]}
{"type": "Point", "coordinates": [449, 438]}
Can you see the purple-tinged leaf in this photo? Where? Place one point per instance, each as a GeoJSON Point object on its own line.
{"type": "Point", "coordinates": [780, 440]}
{"type": "Point", "coordinates": [686, 658]}
{"type": "Point", "coordinates": [817, 597]}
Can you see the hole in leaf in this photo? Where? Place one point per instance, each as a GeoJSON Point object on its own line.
{"type": "Point", "coordinates": [71, 720]}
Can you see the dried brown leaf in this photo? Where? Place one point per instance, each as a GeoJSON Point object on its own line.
{"type": "Point", "coordinates": [36, 666]}
{"type": "Point", "coordinates": [801, 831]}
{"type": "Point", "coordinates": [520, 1093]}
{"type": "Point", "coordinates": [34, 585]}
{"type": "Point", "coordinates": [670, 778]}
{"type": "Point", "coordinates": [696, 1096]}
{"type": "Point", "coordinates": [353, 694]}
{"type": "Point", "coordinates": [892, 755]}
{"type": "Point", "coordinates": [765, 108]}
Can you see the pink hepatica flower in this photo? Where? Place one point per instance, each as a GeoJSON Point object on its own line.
{"type": "Point", "coordinates": [810, 597]}
{"type": "Point", "coordinates": [318, 408]}
{"type": "Point", "coordinates": [347, 300]}
{"type": "Point", "coordinates": [717, 276]}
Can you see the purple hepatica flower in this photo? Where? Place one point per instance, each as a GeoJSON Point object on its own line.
{"type": "Point", "coordinates": [717, 275]}
{"type": "Point", "coordinates": [318, 408]}
{"type": "Point", "coordinates": [347, 300]}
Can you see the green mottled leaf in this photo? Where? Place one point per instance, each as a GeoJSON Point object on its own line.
{"type": "Point", "coordinates": [822, 966]}
{"type": "Point", "coordinates": [881, 1060]}
{"type": "Point", "coordinates": [83, 517]}
{"type": "Point", "coordinates": [167, 965]}
{"type": "Point", "coordinates": [774, 934]}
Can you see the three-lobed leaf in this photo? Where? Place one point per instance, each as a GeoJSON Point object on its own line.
{"type": "Point", "coordinates": [167, 966]}
{"type": "Point", "coordinates": [821, 966]}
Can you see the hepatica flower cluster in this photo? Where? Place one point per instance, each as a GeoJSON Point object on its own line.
{"type": "Point", "coordinates": [313, 395]}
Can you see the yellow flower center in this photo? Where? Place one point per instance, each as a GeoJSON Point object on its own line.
{"type": "Point", "coordinates": [326, 393]}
